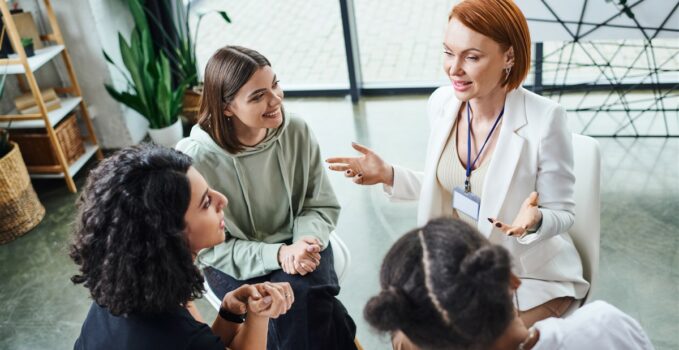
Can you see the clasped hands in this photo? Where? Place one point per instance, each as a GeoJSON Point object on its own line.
{"type": "Point", "coordinates": [301, 257]}
{"type": "Point", "coordinates": [260, 300]}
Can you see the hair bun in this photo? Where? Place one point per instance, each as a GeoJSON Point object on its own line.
{"type": "Point", "coordinates": [387, 310]}
{"type": "Point", "coordinates": [489, 265]}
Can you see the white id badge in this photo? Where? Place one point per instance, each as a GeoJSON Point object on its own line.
{"type": "Point", "coordinates": [466, 202]}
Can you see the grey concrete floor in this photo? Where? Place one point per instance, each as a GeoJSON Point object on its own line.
{"type": "Point", "coordinates": [639, 271]}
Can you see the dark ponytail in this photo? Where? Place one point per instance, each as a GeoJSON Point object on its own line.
{"type": "Point", "coordinates": [389, 310]}
{"type": "Point", "coordinates": [444, 286]}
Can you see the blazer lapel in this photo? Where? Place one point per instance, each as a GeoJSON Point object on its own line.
{"type": "Point", "coordinates": [503, 164]}
{"type": "Point", "coordinates": [430, 200]}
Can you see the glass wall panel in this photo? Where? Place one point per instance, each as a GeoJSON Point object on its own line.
{"type": "Point", "coordinates": [302, 39]}
{"type": "Point", "coordinates": [400, 42]}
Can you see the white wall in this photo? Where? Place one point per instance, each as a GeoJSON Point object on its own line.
{"type": "Point", "coordinates": [111, 17]}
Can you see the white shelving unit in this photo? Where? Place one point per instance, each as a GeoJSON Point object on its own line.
{"type": "Point", "coordinates": [36, 61]}
{"type": "Point", "coordinates": [20, 64]}
{"type": "Point", "coordinates": [68, 104]}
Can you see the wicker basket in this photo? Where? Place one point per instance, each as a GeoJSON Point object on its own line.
{"type": "Point", "coordinates": [20, 209]}
{"type": "Point", "coordinates": [37, 148]}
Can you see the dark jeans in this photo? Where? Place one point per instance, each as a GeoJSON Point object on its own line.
{"type": "Point", "coordinates": [316, 320]}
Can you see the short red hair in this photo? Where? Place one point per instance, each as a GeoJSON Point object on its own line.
{"type": "Point", "coordinates": [502, 21]}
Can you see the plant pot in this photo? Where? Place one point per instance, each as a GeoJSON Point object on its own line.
{"type": "Point", "coordinates": [29, 50]}
{"type": "Point", "coordinates": [20, 208]}
{"type": "Point", "coordinates": [168, 136]}
{"type": "Point", "coordinates": [191, 104]}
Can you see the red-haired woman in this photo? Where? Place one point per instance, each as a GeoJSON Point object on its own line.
{"type": "Point", "coordinates": [499, 157]}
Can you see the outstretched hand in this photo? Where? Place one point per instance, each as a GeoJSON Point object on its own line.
{"type": "Point", "coordinates": [529, 216]}
{"type": "Point", "coordinates": [368, 169]}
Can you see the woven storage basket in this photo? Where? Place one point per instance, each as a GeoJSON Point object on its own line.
{"type": "Point", "coordinates": [20, 209]}
{"type": "Point", "coordinates": [37, 148]}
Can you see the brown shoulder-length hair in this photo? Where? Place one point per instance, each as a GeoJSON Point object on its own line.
{"type": "Point", "coordinates": [502, 21]}
{"type": "Point", "coordinates": [226, 72]}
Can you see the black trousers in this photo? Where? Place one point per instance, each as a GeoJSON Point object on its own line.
{"type": "Point", "coordinates": [316, 320]}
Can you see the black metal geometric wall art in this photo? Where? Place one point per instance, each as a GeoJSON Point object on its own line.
{"type": "Point", "coordinates": [621, 56]}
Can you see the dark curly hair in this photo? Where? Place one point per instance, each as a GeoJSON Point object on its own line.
{"type": "Point", "coordinates": [445, 286]}
{"type": "Point", "coordinates": [129, 240]}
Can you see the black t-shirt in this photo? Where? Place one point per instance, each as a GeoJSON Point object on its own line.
{"type": "Point", "coordinates": [172, 330]}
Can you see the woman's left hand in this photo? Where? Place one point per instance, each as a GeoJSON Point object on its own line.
{"type": "Point", "coordinates": [529, 216]}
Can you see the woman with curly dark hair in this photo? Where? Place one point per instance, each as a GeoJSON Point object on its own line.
{"type": "Point", "coordinates": [142, 218]}
{"type": "Point", "coordinates": [445, 286]}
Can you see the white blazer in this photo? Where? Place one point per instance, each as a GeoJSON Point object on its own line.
{"type": "Point", "coordinates": [533, 153]}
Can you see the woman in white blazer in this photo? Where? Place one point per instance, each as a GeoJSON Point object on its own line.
{"type": "Point", "coordinates": [523, 177]}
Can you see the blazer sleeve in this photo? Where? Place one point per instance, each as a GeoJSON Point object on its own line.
{"type": "Point", "coordinates": [407, 182]}
{"type": "Point", "coordinates": [555, 178]}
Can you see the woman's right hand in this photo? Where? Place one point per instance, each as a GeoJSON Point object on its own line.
{"type": "Point", "coordinates": [368, 169]}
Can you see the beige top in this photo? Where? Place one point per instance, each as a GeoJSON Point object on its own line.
{"type": "Point", "coordinates": [451, 173]}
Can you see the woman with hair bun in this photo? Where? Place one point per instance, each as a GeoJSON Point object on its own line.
{"type": "Point", "coordinates": [444, 286]}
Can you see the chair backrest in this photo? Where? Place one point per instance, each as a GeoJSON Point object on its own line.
{"type": "Point", "coordinates": [210, 296]}
{"type": "Point", "coordinates": [341, 255]}
{"type": "Point", "coordinates": [585, 232]}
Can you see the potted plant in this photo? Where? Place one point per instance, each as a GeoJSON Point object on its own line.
{"type": "Point", "coordinates": [20, 208]}
{"type": "Point", "coordinates": [149, 89]}
{"type": "Point", "coordinates": [183, 55]}
{"type": "Point", "coordinates": [27, 43]}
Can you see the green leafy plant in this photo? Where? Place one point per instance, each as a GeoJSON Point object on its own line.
{"type": "Point", "coordinates": [183, 55]}
{"type": "Point", "coordinates": [26, 41]}
{"type": "Point", "coordinates": [149, 88]}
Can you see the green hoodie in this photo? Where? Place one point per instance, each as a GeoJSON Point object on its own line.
{"type": "Point", "coordinates": [277, 190]}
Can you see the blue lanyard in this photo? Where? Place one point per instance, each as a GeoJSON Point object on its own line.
{"type": "Point", "coordinates": [470, 165]}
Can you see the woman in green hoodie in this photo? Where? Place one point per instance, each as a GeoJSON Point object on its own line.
{"type": "Point", "coordinates": [282, 207]}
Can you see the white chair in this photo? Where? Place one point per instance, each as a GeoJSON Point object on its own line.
{"type": "Point", "coordinates": [586, 229]}
{"type": "Point", "coordinates": [342, 256]}
{"type": "Point", "coordinates": [342, 260]}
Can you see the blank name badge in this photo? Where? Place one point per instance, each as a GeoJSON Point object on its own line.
{"type": "Point", "coordinates": [466, 202]}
